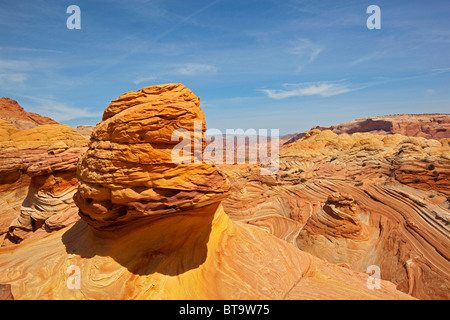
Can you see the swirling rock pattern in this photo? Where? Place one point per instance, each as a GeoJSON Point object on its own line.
{"type": "Point", "coordinates": [197, 254]}
{"type": "Point", "coordinates": [338, 218]}
{"type": "Point", "coordinates": [391, 210]}
{"type": "Point", "coordinates": [155, 230]}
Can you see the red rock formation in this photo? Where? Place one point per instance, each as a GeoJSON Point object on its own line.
{"type": "Point", "coordinates": [38, 180]}
{"type": "Point", "coordinates": [399, 218]}
{"type": "Point", "coordinates": [430, 126]}
{"type": "Point", "coordinates": [12, 112]}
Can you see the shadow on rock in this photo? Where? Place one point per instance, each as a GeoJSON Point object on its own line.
{"type": "Point", "coordinates": [168, 244]}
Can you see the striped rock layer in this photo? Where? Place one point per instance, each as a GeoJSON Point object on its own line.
{"type": "Point", "coordinates": [128, 171]}
{"type": "Point", "coordinates": [37, 179]}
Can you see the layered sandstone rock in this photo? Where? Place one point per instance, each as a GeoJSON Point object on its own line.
{"type": "Point", "coordinates": [199, 254]}
{"type": "Point", "coordinates": [6, 130]}
{"type": "Point", "coordinates": [417, 162]}
{"type": "Point", "coordinates": [392, 211]}
{"type": "Point", "coordinates": [38, 180]}
{"type": "Point", "coordinates": [128, 170]}
{"type": "Point", "coordinates": [153, 229]}
{"type": "Point", "coordinates": [430, 126]}
{"type": "Point", "coordinates": [338, 218]}
{"type": "Point", "coordinates": [85, 131]}
{"type": "Point", "coordinates": [12, 112]}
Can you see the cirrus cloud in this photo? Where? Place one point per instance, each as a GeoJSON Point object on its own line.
{"type": "Point", "coordinates": [193, 69]}
{"type": "Point", "coordinates": [323, 89]}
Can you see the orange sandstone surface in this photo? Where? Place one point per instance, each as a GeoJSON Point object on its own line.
{"type": "Point", "coordinates": [37, 180]}
{"type": "Point", "coordinates": [12, 112]}
{"type": "Point", "coordinates": [152, 229]}
{"type": "Point", "coordinates": [356, 201]}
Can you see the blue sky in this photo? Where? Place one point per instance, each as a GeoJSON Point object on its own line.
{"type": "Point", "coordinates": [270, 64]}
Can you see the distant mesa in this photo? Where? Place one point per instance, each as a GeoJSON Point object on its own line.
{"type": "Point", "coordinates": [12, 112]}
{"type": "Point", "coordinates": [430, 126]}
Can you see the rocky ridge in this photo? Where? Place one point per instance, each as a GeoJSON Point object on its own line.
{"type": "Point", "coordinates": [430, 126]}
{"type": "Point", "coordinates": [12, 112]}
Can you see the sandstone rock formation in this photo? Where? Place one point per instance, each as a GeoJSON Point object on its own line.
{"type": "Point", "coordinates": [85, 131]}
{"type": "Point", "coordinates": [152, 229]}
{"type": "Point", "coordinates": [430, 126]}
{"type": "Point", "coordinates": [414, 161]}
{"type": "Point", "coordinates": [128, 171]}
{"type": "Point", "coordinates": [358, 200]}
{"type": "Point", "coordinates": [37, 179]}
{"type": "Point", "coordinates": [197, 255]}
{"type": "Point", "coordinates": [338, 218]}
{"type": "Point", "coordinates": [12, 112]}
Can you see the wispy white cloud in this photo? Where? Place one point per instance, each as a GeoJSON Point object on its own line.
{"type": "Point", "coordinates": [369, 57]}
{"type": "Point", "coordinates": [13, 72]}
{"type": "Point", "coordinates": [143, 79]}
{"type": "Point", "coordinates": [333, 88]}
{"type": "Point", "coordinates": [60, 111]}
{"type": "Point", "coordinates": [323, 89]}
{"type": "Point", "coordinates": [29, 49]}
{"type": "Point", "coordinates": [305, 50]}
{"type": "Point", "coordinates": [440, 70]}
{"type": "Point", "coordinates": [12, 78]}
{"type": "Point", "coordinates": [15, 65]}
{"type": "Point", "coordinates": [193, 69]}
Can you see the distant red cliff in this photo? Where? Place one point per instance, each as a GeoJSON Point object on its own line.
{"type": "Point", "coordinates": [430, 126]}
{"type": "Point", "coordinates": [12, 112]}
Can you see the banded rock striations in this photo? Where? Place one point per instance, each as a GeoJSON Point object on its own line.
{"type": "Point", "coordinates": [152, 229]}
{"type": "Point", "coordinates": [430, 126]}
{"type": "Point", "coordinates": [370, 156]}
{"type": "Point", "coordinates": [358, 200]}
{"type": "Point", "coordinates": [128, 170]}
{"type": "Point", "coordinates": [38, 179]}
